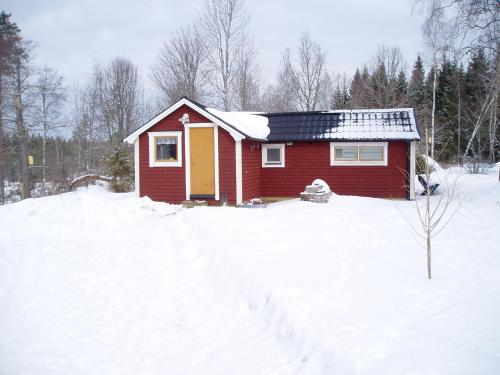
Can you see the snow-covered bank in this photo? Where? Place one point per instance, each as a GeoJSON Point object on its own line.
{"type": "Point", "coordinates": [95, 282]}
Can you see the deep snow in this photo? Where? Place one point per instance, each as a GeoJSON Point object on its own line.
{"type": "Point", "coordinates": [93, 282]}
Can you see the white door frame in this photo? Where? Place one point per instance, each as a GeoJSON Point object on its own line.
{"type": "Point", "coordinates": [188, 155]}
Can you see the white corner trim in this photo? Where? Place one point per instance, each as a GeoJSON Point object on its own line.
{"type": "Point", "coordinates": [413, 163]}
{"type": "Point", "coordinates": [187, 152]}
{"type": "Point", "coordinates": [239, 173]}
{"type": "Point", "coordinates": [334, 162]}
{"type": "Point", "coordinates": [152, 162]}
{"type": "Point", "coordinates": [265, 147]}
{"type": "Point", "coordinates": [216, 160]}
{"type": "Point", "coordinates": [137, 169]}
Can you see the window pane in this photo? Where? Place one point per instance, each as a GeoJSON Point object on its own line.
{"type": "Point", "coordinates": [346, 153]}
{"type": "Point", "coordinates": [371, 153]}
{"type": "Point", "coordinates": [166, 148]}
{"type": "Point", "coordinates": [273, 155]}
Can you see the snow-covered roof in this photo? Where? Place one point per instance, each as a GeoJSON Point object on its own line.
{"type": "Point", "coordinates": [249, 123]}
{"type": "Point", "coordinates": [240, 125]}
{"type": "Point", "coordinates": [356, 124]}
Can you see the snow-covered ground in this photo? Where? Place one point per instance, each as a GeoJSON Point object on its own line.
{"type": "Point", "coordinates": [93, 282]}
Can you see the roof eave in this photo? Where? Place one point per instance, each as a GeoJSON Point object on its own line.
{"type": "Point", "coordinates": [235, 133]}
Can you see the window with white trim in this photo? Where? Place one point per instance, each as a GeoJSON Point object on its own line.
{"type": "Point", "coordinates": [273, 155]}
{"type": "Point", "coordinates": [362, 153]}
{"type": "Point", "coordinates": [165, 149]}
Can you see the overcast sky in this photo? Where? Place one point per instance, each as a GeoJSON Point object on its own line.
{"type": "Point", "coordinates": [71, 35]}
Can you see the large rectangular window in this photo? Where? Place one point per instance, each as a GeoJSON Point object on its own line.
{"type": "Point", "coordinates": [363, 153]}
{"type": "Point", "coordinates": [165, 149]}
{"type": "Point", "coordinates": [273, 155]}
{"type": "Point", "coordinates": [371, 153]}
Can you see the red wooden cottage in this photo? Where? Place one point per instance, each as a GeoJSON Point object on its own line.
{"type": "Point", "coordinates": [190, 152]}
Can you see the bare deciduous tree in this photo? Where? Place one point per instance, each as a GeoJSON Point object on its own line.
{"type": "Point", "coordinates": [108, 108]}
{"type": "Point", "coordinates": [475, 23]}
{"type": "Point", "coordinates": [246, 81]}
{"type": "Point", "coordinates": [49, 98]}
{"type": "Point", "coordinates": [180, 69]}
{"type": "Point", "coordinates": [120, 97]}
{"type": "Point", "coordinates": [435, 212]}
{"type": "Point", "coordinates": [306, 80]}
{"type": "Point", "coordinates": [224, 24]}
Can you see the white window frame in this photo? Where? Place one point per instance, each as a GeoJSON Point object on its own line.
{"type": "Point", "coordinates": [152, 146]}
{"type": "Point", "coordinates": [281, 147]}
{"type": "Point", "coordinates": [358, 162]}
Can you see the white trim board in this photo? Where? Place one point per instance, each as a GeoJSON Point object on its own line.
{"type": "Point", "coordinates": [137, 169]}
{"type": "Point", "coordinates": [411, 177]}
{"type": "Point", "coordinates": [354, 163]}
{"type": "Point", "coordinates": [169, 164]}
{"type": "Point", "coordinates": [216, 160]}
{"type": "Point", "coordinates": [239, 172]}
{"type": "Point", "coordinates": [234, 133]}
{"type": "Point", "coordinates": [187, 150]}
{"type": "Point", "coordinates": [187, 169]}
{"type": "Point", "coordinates": [265, 147]}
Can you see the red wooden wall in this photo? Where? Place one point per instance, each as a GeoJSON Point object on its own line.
{"type": "Point", "coordinates": [168, 184]}
{"type": "Point", "coordinates": [306, 161]}
{"type": "Point", "coordinates": [227, 166]}
{"type": "Point", "coordinates": [252, 167]}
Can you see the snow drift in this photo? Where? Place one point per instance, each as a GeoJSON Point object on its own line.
{"type": "Point", "coordinates": [96, 282]}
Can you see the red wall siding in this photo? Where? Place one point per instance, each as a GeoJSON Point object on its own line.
{"type": "Point", "coordinates": [306, 161]}
{"type": "Point", "coordinates": [227, 166]}
{"type": "Point", "coordinates": [252, 167]}
{"type": "Point", "coordinates": [168, 184]}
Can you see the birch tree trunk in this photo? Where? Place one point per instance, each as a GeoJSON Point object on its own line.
{"type": "Point", "coordinates": [433, 114]}
{"type": "Point", "coordinates": [22, 137]}
{"type": "Point", "coordinates": [2, 153]}
{"type": "Point", "coordinates": [493, 128]}
{"type": "Point", "coordinates": [459, 123]}
{"type": "Point", "coordinates": [427, 220]}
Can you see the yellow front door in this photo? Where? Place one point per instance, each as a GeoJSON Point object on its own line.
{"type": "Point", "coordinates": [201, 146]}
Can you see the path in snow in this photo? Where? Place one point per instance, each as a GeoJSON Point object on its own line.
{"type": "Point", "coordinates": [99, 283]}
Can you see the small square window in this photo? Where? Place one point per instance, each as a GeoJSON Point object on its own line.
{"type": "Point", "coordinates": [346, 153]}
{"type": "Point", "coordinates": [165, 149]}
{"type": "Point", "coordinates": [273, 155]}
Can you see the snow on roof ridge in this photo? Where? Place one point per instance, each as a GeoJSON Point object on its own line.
{"type": "Point", "coordinates": [249, 123]}
{"type": "Point", "coordinates": [371, 110]}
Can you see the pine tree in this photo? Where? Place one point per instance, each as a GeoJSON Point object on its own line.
{"type": "Point", "coordinates": [402, 89]}
{"type": "Point", "coordinates": [119, 162]}
{"type": "Point", "coordinates": [446, 110]}
{"type": "Point", "coordinates": [417, 97]}
{"type": "Point", "coordinates": [340, 98]}
{"type": "Point", "coordinates": [476, 95]}
{"type": "Point", "coordinates": [379, 82]}
{"type": "Point", "coordinates": [8, 37]}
